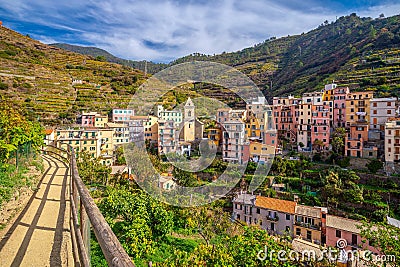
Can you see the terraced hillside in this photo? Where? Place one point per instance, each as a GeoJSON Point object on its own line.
{"type": "Point", "coordinates": [360, 52]}
{"type": "Point", "coordinates": [95, 52]}
{"type": "Point", "coordinates": [53, 85]}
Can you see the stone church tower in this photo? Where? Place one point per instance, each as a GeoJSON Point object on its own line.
{"type": "Point", "coordinates": [189, 121]}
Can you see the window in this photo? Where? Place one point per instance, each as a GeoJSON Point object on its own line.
{"type": "Point", "coordinates": [354, 239]}
{"type": "Point", "coordinates": [389, 104]}
{"type": "Point", "coordinates": [389, 111]}
{"type": "Point", "coordinates": [258, 211]}
{"type": "Point", "coordinates": [287, 217]}
{"type": "Point", "coordinates": [273, 226]}
{"type": "Point", "coordinates": [308, 235]}
{"type": "Point", "coordinates": [338, 234]}
{"type": "Point", "coordinates": [375, 105]}
{"type": "Point", "coordinates": [298, 231]}
{"type": "Point", "coordinates": [375, 112]}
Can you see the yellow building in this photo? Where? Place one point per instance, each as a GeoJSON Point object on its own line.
{"type": "Point", "coordinates": [120, 134]}
{"type": "Point", "coordinates": [260, 152]}
{"type": "Point", "coordinates": [81, 140]}
{"type": "Point", "coordinates": [358, 107]}
{"type": "Point", "coordinates": [100, 121]}
{"type": "Point", "coordinates": [106, 147]}
{"type": "Point", "coordinates": [215, 135]}
{"type": "Point", "coordinates": [151, 130]}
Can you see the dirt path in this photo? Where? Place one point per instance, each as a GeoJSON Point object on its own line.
{"type": "Point", "coordinates": [40, 235]}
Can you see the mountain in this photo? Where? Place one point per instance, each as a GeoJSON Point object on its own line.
{"type": "Point", "coordinates": [361, 53]}
{"type": "Point", "coordinates": [101, 54]}
{"type": "Point", "coordinates": [54, 85]}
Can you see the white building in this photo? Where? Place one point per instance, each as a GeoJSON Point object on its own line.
{"type": "Point", "coordinates": [122, 115]}
{"type": "Point", "coordinates": [381, 110]}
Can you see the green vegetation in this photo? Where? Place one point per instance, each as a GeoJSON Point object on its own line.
{"type": "Point", "coordinates": [106, 56]}
{"type": "Point", "coordinates": [16, 130]}
{"type": "Point", "coordinates": [19, 140]}
{"type": "Point", "coordinates": [357, 52]}
{"type": "Point", "coordinates": [375, 165]}
{"type": "Point", "coordinates": [385, 237]}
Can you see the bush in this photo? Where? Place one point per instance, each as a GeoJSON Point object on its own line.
{"type": "Point", "coordinates": [317, 157]}
{"type": "Point", "coordinates": [343, 162]}
{"type": "Point", "coordinates": [374, 165]}
{"type": "Point", "coordinates": [3, 86]}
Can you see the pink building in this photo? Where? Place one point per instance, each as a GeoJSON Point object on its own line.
{"type": "Point", "coordinates": [320, 123]}
{"type": "Point", "coordinates": [273, 215]}
{"type": "Point", "coordinates": [286, 113]}
{"type": "Point", "coordinates": [93, 119]}
{"type": "Point", "coordinates": [339, 106]}
{"type": "Point", "coordinates": [347, 229]}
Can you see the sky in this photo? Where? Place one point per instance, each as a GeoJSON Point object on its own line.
{"type": "Point", "coordinates": [162, 31]}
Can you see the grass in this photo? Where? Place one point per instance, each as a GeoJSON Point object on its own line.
{"type": "Point", "coordinates": [12, 179]}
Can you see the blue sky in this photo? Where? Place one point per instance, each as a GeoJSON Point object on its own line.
{"type": "Point", "coordinates": [164, 30]}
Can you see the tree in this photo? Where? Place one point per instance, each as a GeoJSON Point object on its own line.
{"type": "Point", "coordinates": [318, 144]}
{"type": "Point", "coordinates": [119, 155]}
{"type": "Point", "coordinates": [385, 238]}
{"type": "Point", "coordinates": [372, 32]}
{"type": "Point", "coordinates": [16, 130]}
{"type": "Point", "coordinates": [184, 178]}
{"type": "Point", "coordinates": [136, 219]}
{"type": "Point", "coordinates": [101, 58]}
{"type": "Point", "coordinates": [338, 140]}
{"type": "Point", "coordinates": [91, 170]}
{"type": "Point", "coordinates": [374, 165]}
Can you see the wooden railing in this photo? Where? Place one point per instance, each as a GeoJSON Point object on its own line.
{"type": "Point", "coordinates": [85, 215]}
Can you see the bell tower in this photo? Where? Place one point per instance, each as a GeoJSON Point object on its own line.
{"type": "Point", "coordinates": [189, 121]}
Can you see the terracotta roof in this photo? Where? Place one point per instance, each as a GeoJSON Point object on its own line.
{"type": "Point", "coordinates": [49, 131]}
{"type": "Point", "coordinates": [276, 204]}
{"type": "Point", "coordinates": [344, 224]}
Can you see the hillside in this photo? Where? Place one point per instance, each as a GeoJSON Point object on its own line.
{"type": "Point", "coordinates": [98, 53]}
{"type": "Point", "coordinates": [39, 78]}
{"type": "Point", "coordinates": [362, 53]}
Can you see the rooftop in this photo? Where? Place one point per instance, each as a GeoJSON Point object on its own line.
{"type": "Point", "coordinates": [286, 206]}
{"type": "Point", "coordinates": [344, 224]}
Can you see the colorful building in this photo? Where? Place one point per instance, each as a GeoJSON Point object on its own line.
{"type": "Point", "coordinates": [273, 215]}
{"type": "Point", "coordinates": [122, 115]}
{"type": "Point", "coordinates": [310, 223]}
{"type": "Point", "coordinates": [338, 228]}
{"type": "Point", "coordinates": [381, 110]}
{"type": "Point", "coordinates": [93, 119]}
{"type": "Point", "coordinates": [235, 146]}
{"type": "Point", "coordinates": [392, 142]}
{"type": "Point", "coordinates": [168, 137]}
{"type": "Point", "coordinates": [358, 107]}
{"type": "Point", "coordinates": [338, 96]}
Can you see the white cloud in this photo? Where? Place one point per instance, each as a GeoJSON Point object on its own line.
{"type": "Point", "coordinates": [164, 30]}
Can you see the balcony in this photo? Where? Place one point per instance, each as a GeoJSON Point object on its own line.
{"type": "Point", "coordinates": [272, 218]}
{"type": "Point", "coordinates": [308, 225]}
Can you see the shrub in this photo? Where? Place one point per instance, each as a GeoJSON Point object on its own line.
{"type": "Point", "coordinates": [374, 165]}
{"type": "Point", "coordinates": [3, 86]}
